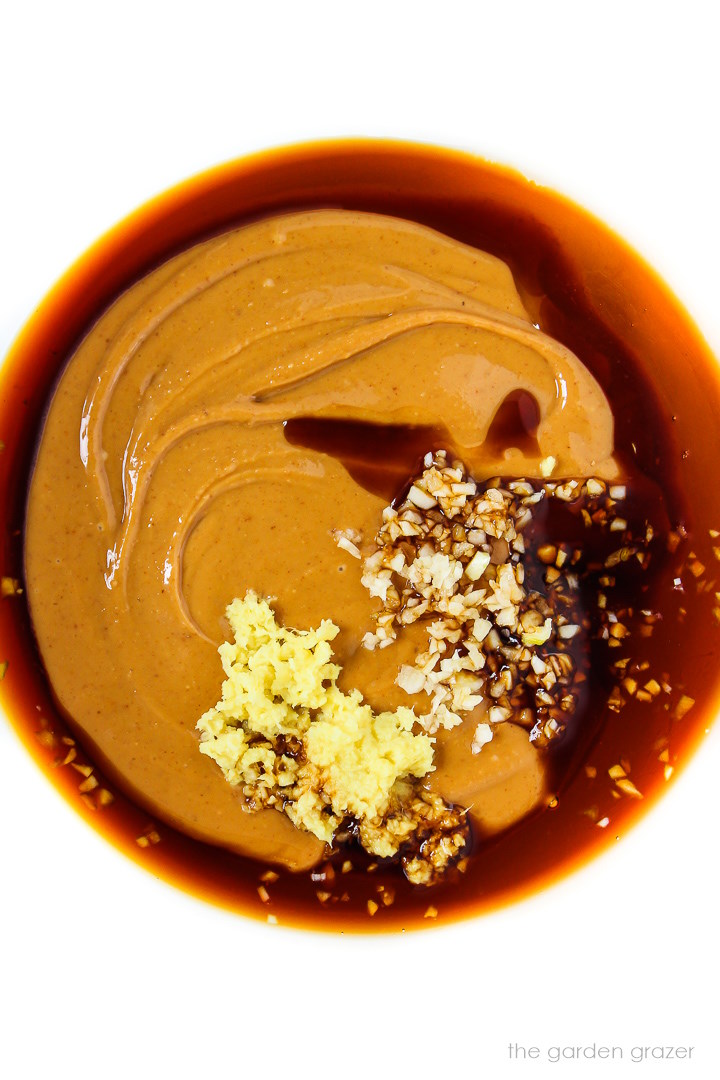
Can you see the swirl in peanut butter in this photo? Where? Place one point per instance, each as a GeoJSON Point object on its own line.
{"type": "Point", "coordinates": [164, 485]}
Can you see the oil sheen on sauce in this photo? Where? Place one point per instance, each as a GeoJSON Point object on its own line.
{"type": "Point", "coordinates": [584, 288]}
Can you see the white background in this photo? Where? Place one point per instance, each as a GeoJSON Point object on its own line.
{"type": "Point", "coordinates": [106, 972]}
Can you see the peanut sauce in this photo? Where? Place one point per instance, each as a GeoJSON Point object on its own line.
{"type": "Point", "coordinates": [582, 287]}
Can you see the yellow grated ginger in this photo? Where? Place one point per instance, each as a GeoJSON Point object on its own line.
{"type": "Point", "coordinates": [285, 731]}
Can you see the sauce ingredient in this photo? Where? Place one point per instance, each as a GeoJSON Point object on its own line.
{"type": "Point", "coordinates": [169, 423]}
{"type": "Point", "coordinates": [293, 740]}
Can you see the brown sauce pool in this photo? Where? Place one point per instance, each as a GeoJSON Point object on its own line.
{"type": "Point", "coordinates": [584, 287]}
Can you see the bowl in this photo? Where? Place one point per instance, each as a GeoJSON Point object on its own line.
{"type": "Point", "coordinates": [106, 900]}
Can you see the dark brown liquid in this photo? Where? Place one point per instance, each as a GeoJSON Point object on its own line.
{"type": "Point", "coordinates": [515, 425]}
{"type": "Point", "coordinates": [383, 458]}
{"type": "Point", "coordinates": [582, 286]}
{"type": "Point", "coordinates": [380, 457]}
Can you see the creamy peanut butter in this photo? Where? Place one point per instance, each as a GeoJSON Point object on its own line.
{"type": "Point", "coordinates": [164, 486]}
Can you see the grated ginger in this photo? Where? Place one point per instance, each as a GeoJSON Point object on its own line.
{"type": "Point", "coordinates": [285, 731]}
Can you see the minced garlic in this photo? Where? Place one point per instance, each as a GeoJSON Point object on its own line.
{"type": "Point", "coordinates": [286, 732]}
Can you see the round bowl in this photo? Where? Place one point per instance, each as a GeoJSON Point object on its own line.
{"type": "Point", "coordinates": [72, 878]}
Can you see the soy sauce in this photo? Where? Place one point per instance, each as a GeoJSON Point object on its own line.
{"type": "Point", "coordinates": [382, 458]}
